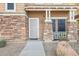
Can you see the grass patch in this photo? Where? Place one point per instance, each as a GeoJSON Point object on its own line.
{"type": "Point", "coordinates": [2, 42]}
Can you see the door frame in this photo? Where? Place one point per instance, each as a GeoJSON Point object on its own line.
{"type": "Point", "coordinates": [37, 25]}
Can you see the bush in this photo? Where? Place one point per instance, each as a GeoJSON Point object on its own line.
{"type": "Point", "coordinates": [2, 42]}
{"type": "Point", "coordinates": [63, 39]}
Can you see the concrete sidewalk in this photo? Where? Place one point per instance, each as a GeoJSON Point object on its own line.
{"type": "Point", "coordinates": [33, 48]}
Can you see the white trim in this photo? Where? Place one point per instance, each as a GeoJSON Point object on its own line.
{"type": "Point", "coordinates": [48, 21]}
{"type": "Point", "coordinates": [58, 17]}
{"type": "Point", "coordinates": [48, 9]}
{"type": "Point", "coordinates": [73, 15]}
{"type": "Point", "coordinates": [52, 6]}
{"type": "Point", "coordinates": [11, 14]}
{"type": "Point", "coordinates": [46, 14]}
{"type": "Point", "coordinates": [72, 20]}
{"type": "Point", "coordinates": [37, 27]}
{"type": "Point", "coordinates": [49, 14]}
{"type": "Point", "coordinates": [70, 15]}
{"type": "Point", "coordinates": [10, 10]}
{"type": "Point", "coordinates": [56, 25]}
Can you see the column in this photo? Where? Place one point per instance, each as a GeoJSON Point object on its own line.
{"type": "Point", "coordinates": [46, 15]}
{"type": "Point", "coordinates": [48, 32]}
{"type": "Point", "coordinates": [72, 27]}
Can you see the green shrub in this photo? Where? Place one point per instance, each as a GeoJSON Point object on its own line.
{"type": "Point", "coordinates": [63, 39]}
{"type": "Point", "coordinates": [2, 42]}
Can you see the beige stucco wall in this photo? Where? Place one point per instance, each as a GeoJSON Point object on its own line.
{"type": "Point", "coordinates": [2, 7]}
{"type": "Point", "coordinates": [59, 13]}
{"type": "Point", "coordinates": [41, 16]}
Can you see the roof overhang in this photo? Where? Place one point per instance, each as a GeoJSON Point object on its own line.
{"type": "Point", "coordinates": [50, 7]}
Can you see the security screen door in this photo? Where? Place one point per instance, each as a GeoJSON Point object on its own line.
{"type": "Point", "coordinates": [33, 28]}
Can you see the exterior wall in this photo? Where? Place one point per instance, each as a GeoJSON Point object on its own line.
{"type": "Point", "coordinates": [16, 28]}
{"type": "Point", "coordinates": [60, 13]}
{"type": "Point", "coordinates": [41, 16]}
{"type": "Point", "coordinates": [13, 28]}
{"type": "Point", "coordinates": [19, 7]}
{"type": "Point", "coordinates": [2, 7]}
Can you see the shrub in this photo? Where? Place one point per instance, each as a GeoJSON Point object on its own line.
{"type": "Point", "coordinates": [2, 42]}
{"type": "Point", "coordinates": [63, 39]}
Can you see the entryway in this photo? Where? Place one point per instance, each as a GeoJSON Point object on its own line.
{"type": "Point", "coordinates": [33, 28]}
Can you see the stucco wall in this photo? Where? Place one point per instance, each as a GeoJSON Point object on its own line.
{"type": "Point", "coordinates": [2, 7]}
{"type": "Point", "coordinates": [41, 16]}
{"type": "Point", "coordinates": [59, 13]}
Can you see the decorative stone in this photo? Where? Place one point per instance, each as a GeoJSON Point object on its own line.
{"type": "Point", "coordinates": [13, 28]}
{"type": "Point", "coordinates": [64, 49]}
{"type": "Point", "coordinates": [48, 32]}
{"type": "Point", "coordinates": [72, 31]}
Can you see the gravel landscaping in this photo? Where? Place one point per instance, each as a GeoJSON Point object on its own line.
{"type": "Point", "coordinates": [50, 48]}
{"type": "Point", "coordinates": [12, 49]}
{"type": "Point", "coordinates": [75, 46]}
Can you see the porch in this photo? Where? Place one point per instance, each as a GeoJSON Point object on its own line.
{"type": "Point", "coordinates": [55, 22]}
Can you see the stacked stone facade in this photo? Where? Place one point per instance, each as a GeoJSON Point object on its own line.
{"type": "Point", "coordinates": [72, 31]}
{"type": "Point", "coordinates": [13, 28]}
{"type": "Point", "coordinates": [48, 33]}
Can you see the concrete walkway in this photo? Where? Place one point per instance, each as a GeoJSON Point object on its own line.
{"type": "Point", "coordinates": [33, 48]}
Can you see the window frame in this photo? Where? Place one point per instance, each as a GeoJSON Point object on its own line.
{"type": "Point", "coordinates": [7, 10]}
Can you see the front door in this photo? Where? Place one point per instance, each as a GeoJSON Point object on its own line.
{"type": "Point", "coordinates": [33, 28]}
{"type": "Point", "coordinates": [59, 29]}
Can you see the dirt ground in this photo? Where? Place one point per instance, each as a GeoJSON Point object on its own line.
{"type": "Point", "coordinates": [50, 48]}
{"type": "Point", "coordinates": [12, 49]}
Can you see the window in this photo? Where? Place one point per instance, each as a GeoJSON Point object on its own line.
{"type": "Point", "coordinates": [10, 7]}
{"type": "Point", "coordinates": [61, 25]}
{"type": "Point", "coordinates": [58, 25]}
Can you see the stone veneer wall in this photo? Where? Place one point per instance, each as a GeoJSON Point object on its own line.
{"type": "Point", "coordinates": [48, 33]}
{"type": "Point", "coordinates": [72, 31]}
{"type": "Point", "coordinates": [13, 28]}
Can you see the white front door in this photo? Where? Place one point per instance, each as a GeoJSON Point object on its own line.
{"type": "Point", "coordinates": [33, 28]}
